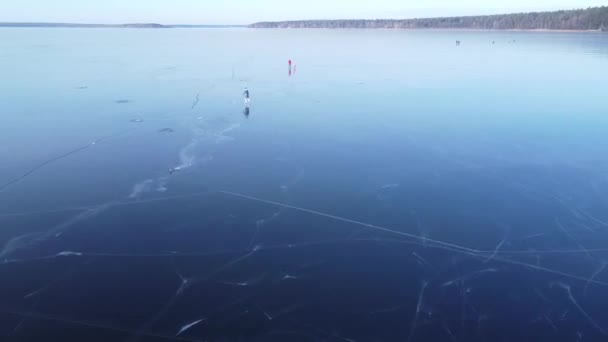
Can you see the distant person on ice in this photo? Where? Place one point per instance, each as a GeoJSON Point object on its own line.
{"type": "Point", "coordinates": [246, 95]}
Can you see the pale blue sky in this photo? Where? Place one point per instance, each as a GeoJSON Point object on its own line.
{"type": "Point", "coordinates": [249, 11]}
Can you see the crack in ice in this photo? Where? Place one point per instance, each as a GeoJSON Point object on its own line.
{"type": "Point", "coordinates": [59, 319]}
{"type": "Point", "coordinates": [418, 309]}
{"type": "Point", "coordinates": [189, 326]}
{"type": "Point", "coordinates": [57, 158]}
{"type": "Point", "coordinates": [433, 243]}
{"type": "Point", "coordinates": [579, 308]}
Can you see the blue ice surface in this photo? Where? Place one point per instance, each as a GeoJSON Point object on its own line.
{"type": "Point", "coordinates": [392, 187]}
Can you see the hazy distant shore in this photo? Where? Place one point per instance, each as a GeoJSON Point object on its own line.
{"type": "Point", "coordinates": [583, 20]}
{"type": "Point", "coordinates": [145, 26]}
{"type": "Point", "coordinates": [437, 29]}
{"type": "Point", "coordinates": [74, 25]}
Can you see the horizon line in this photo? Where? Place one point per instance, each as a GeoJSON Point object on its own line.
{"type": "Point", "coordinates": [288, 20]}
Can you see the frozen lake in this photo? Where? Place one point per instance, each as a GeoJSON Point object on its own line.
{"type": "Point", "coordinates": [392, 187]}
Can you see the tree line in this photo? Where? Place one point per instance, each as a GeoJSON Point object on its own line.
{"type": "Point", "coordinates": [584, 19]}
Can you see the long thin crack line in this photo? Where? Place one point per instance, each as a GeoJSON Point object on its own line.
{"type": "Point", "coordinates": [447, 329]}
{"type": "Point", "coordinates": [59, 229]}
{"type": "Point", "coordinates": [424, 261]}
{"type": "Point", "coordinates": [17, 328]}
{"type": "Point", "coordinates": [49, 211]}
{"type": "Point", "coordinates": [594, 276]}
{"type": "Point", "coordinates": [86, 214]}
{"type": "Point", "coordinates": [573, 239]}
{"type": "Point", "coordinates": [48, 286]}
{"type": "Point", "coordinates": [168, 198]}
{"type": "Point", "coordinates": [442, 243]}
{"type": "Point", "coordinates": [414, 323]}
{"type": "Point", "coordinates": [307, 244]}
{"type": "Point", "coordinates": [595, 219]}
{"type": "Point", "coordinates": [495, 251]}
{"type": "Point", "coordinates": [239, 251]}
{"type": "Point", "coordinates": [565, 251]}
{"type": "Point", "coordinates": [534, 267]}
{"type": "Point", "coordinates": [580, 308]}
{"type": "Point", "coordinates": [75, 254]}
{"type": "Point", "coordinates": [263, 248]}
{"type": "Point", "coordinates": [51, 318]}
{"type": "Point", "coordinates": [40, 166]}
{"type": "Point", "coordinates": [112, 204]}
{"type": "Point", "coordinates": [439, 244]}
{"type": "Point", "coordinates": [52, 160]}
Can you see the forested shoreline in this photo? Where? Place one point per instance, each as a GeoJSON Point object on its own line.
{"type": "Point", "coordinates": [591, 19]}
